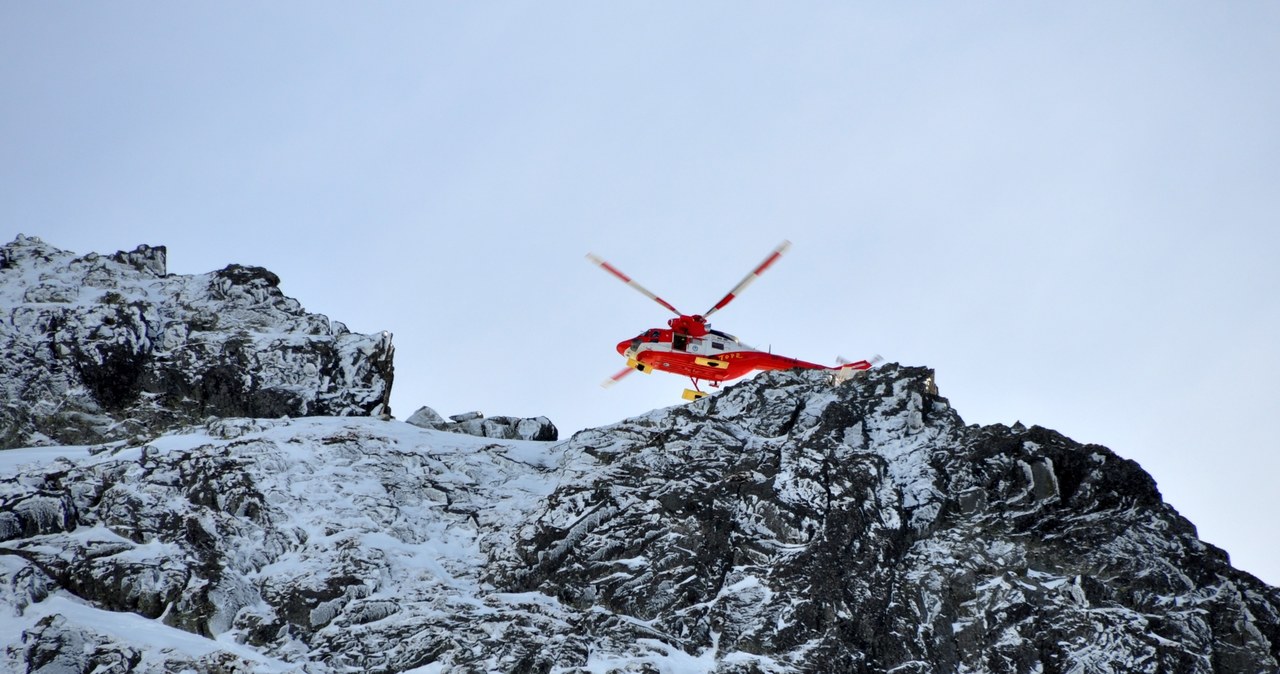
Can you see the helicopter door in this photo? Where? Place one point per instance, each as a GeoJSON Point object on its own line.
{"type": "Point", "coordinates": [679, 342]}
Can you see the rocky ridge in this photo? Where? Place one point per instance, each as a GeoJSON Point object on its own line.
{"type": "Point", "coordinates": [105, 347]}
{"type": "Point", "coordinates": [786, 525]}
{"type": "Point", "coordinates": [783, 525]}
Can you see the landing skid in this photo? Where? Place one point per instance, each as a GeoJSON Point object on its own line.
{"type": "Point", "coordinates": [696, 393]}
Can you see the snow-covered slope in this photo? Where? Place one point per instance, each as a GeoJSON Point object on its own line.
{"type": "Point", "coordinates": [344, 540]}
{"type": "Point", "coordinates": [106, 347]}
{"type": "Point", "coordinates": [784, 525]}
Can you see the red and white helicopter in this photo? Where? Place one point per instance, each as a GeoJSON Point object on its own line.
{"type": "Point", "coordinates": [691, 348]}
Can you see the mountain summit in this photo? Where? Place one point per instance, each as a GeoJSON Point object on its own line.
{"type": "Point", "coordinates": [105, 347]}
{"type": "Point", "coordinates": [785, 524]}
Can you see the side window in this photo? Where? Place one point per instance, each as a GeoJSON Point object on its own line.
{"type": "Point", "coordinates": [717, 345]}
{"type": "Point", "coordinates": [679, 341]}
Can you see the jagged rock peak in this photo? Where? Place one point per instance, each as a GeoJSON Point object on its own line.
{"type": "Point", "coordinates": [33, 252]}
{"type": "Point", "coordinates": [104, 347]}
{"type": "Point", "coordinates": [866, 528]}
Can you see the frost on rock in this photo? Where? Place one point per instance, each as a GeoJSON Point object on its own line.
{"type": "Point", "coordinates": [793, 526]}
{"type": "Point", "coordinates": [107, 347]}
{"type": "Point", "coordinates": [322, 544]}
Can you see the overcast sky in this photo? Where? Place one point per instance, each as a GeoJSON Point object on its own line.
{"type": "Point", "coordinates": [1069, 210]}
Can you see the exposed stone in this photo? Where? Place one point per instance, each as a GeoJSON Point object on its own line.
{"type": "Point", "coordinates": [475, 423]}
{"type": "Point", "coordinates": [101, 348]}
{"type": "Point", "coordinates": [426, 417]}
{"type": "Point", "coordinates": [868, 529]}
{"type": "Point", "coordinates": [152, 259]}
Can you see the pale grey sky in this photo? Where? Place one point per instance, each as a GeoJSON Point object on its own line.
{"type": "Point", "coordinates": [1069, 210]}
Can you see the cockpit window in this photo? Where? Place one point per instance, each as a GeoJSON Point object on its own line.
{"type": "Point", "coordinates": [724, 335]}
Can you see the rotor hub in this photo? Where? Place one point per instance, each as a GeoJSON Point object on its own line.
{"type": "Point", "coordinates": [694, 326]}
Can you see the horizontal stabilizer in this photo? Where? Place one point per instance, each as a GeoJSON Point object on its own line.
{"type": "Point", "coordinates": [847, 370]}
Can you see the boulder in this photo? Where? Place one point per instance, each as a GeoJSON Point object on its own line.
{"type": "Point", "coordinates": [475, 423]}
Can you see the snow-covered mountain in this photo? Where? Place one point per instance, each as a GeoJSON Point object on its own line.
{"type": "Point", "coordinates": [106, 347]}
{"type": "Point", "coordinates": [783, 525]}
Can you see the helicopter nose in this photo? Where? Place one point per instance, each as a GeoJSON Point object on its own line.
{"type": "Point", "coordinates": [623, 346]}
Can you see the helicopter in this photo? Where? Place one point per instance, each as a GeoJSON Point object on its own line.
{"type": "Point", "coordinates": [689, 347]}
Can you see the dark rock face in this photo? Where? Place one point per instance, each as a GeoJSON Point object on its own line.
{"type": "Point", "coordinates": [865, 528]}
{"type": "Point", "coordinates": [99, 348]}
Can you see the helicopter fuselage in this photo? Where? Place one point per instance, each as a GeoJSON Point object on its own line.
{"type": "Point", "coordinates": [715, 356]}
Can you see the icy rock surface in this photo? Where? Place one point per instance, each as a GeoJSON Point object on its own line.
{"type": "Point", "coordinates": [475, 423]}
{"type": "Point", "coordinates": [106, 347]}
{"type": "Point", "coordinates": [324, 544]}
{"type": "Point", "coordinates": [783, 525]}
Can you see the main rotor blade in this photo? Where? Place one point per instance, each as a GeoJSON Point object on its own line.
{"type": "Point", "coordinates": [617, 377]}
{"type": "Point", "coordinates": [631, 282]}
{"type": "Point", "coordinates": [755, 273]}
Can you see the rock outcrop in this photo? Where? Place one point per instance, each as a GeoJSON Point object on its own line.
{"type": "Point", "coordinates": [475, 423]}
{"type": "Point", "coordinates": [782, 525]}
{"type": "Point", "coordinates": [866, 528]}
{"type": "Point", "coordinates": [107, 347]}
{"type": "Point", "coordinates": [317, 544]}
